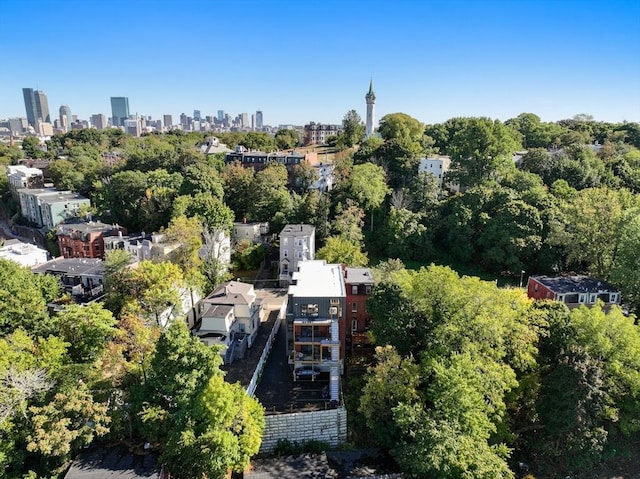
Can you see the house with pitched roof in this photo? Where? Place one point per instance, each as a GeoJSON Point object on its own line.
{"type": "Point", "coordinates": [574, 291]}
{"type": "Point", "coordinates": [229, 317]}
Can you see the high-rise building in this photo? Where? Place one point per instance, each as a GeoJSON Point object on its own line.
{"type": "Point", "coordinates": [196, 115]}
{"type": "Point", "coordinates": [42, 106]}
{"type": "Point", "coordinates": [244, 120]}
{"type": "Point", "coordinates": [253, 122]}
{"type": "Point", "coordinates": [259, 123]}
{"type": "Point", "coordinates": [65, 117]}
{"type": "Point", "coordinates": [168, 121]}
{"type": "Point", "coordinates": [99, 121]}
{"type": "Point", "coordinates": [36, 106]}
{"type": "Point", "coordinates": [220, 116]}
{"type": "Point", "coordinates": [370, 97]}
{"type": "Point", "coordinates": [30, 105]}
{"type": "Point", "coordinates": [119, 110]}
{"type": "Point", "coordinates": [18, 125]}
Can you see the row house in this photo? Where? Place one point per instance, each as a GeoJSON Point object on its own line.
{"type": "Point", "coordinates": [142, 246]}
{"type": "Point", "coordinates": [21, 176]}
{"type": "Point", "coordinates": [297, 244]}
{"type": "Point", "coordinates": [85, 240]}
{"type": "Point", "coordinates": [80, 277]}
{"type": "Point", "coordinates": [24, 254]}
{"type": "Point", "coordinates": [574, 291]}
{"type": "Point", "coordinates": [48, 207]}
{"type": "Point", "coordinates": [315, 312]}
{"type": "Point", "coordinates": [230, 318]}
{"type": "Point", "coordinates": [319, 134]}
{"type": "Point", "coordinates": [359, 285]}
{"type": "Point", "coordinates": [253, 232]}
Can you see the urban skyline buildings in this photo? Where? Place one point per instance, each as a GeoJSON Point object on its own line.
{"type": "Point", "coordinates": [36, 106]}
{"type": "Point", "coordinates": [66, 118]}
{"type": "Point", "coordinates": [119, 110]}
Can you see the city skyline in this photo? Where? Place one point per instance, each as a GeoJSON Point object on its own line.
{"type": "Point", "coordinates": [431, 60]}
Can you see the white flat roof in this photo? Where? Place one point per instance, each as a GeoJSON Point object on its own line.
{"type": "Point", "coordinates": [317, 278]}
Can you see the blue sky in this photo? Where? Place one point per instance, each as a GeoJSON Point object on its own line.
{"type": "Point", "coordinates": [301, 61]}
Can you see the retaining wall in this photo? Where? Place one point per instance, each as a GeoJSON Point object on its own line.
{"type": "Point", "coordinates": [329, 426]}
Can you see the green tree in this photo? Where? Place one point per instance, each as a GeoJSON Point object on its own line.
{"type": "Point", "coordinates": [340, 250]}
{"type": "Point", "coordinates": [352, 129]}
{"type": "Point", "coordinates": [481, 149]}
{"type": "Point", "coordinates": [367, 187]}
{"type": "Point", "coordinates": [238, 187]}
{"type": "Point", "coordinates": [287, 139]}
{"type": "Point", "coordinates": [625, 270]}
{"type": "Point", "coordinates": [86, 329]}
{"type": "Point", "coordinates": [23, 300]}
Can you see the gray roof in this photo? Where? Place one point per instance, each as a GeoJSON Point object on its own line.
{"type": "Point", "coordinates": [233, 292]}
{"type": "Point", "coordinates": [217, 311]}
{"type": "Point", "coordinates": [297, 230]}
{"type": "Point", "coordinates": [114, 463]}
{"type": "Point", "coordinates": [91, 226]}
{"type": "Point", "coordinates": [73, 266]}
{"type": "Point", "coordinates": [575, 284]}
{"type": "Point", "coordinates": [304, 466]}
{"type": "Point", "coordinates": [358, 276]}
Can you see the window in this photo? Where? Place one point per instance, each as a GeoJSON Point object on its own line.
{"type": "Point", "coordinates": [354, 289]}
{"type": "Point", "coordinates": [582, 298]}
{"type": "Point", "coordinates": [354, 307]}
{"type": "Point", "coordinates": [592, 298]}
{"type": "Point", "coordinates": [312, 309]}
{"type": "Point", "coordinates": [299, 255]}
{"type": "Point", "coordinates": [368, 289]}
{"type": "Point", "coordinates": [285, 268]}
{"type": "Point", "coordinates": [354, 325]}
{"type": "Point", "coordinates": [333, 310]}
{"type": "Point", "coordinates": [285, 253]}
{"type": "Point", "coordinates": [561, 297]}
{"type": "Point", "coordinates": [303, 310]}
{"type": "Point", "coordinates": [613, 297]}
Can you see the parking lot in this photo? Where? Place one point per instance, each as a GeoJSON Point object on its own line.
{"type": "Point", "coordinates": [278, 392]}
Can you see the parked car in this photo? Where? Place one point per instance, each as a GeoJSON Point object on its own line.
{"type": "Point", "coordinates": [307, 372]}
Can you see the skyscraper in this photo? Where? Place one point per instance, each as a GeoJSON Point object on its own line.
{"type": "Point", "coordinates": [370, 97]}
{"type": "Point", "coordinates": [119, 110]}
{"type": "Point", "coordinates": [42, 106]}
{"type": "Point", "coordinates": [259, 123]}
{"type": "Point", "coordinates": [196, 115]}
{"type": "Point", "coordinates": [36, 105]}
{"type": "Point", "coordinates": [220, 116]}
{"type": "Point", "coordinates": [30, 105]}
{"type": "Point", "coordinates": [168, 121]}
{"type": "Point", "coordinates": [65, 117]}
{"type": "Point", "coordinates": [99, 121]}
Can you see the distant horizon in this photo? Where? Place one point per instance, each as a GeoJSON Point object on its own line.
{"type": "Point", "coordinates": [298, 63]}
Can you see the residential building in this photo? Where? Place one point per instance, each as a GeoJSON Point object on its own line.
{"type": "Point", "coordinates": [315, 320]}
{"type": "Point", "coordinates": [370, 98]}
{"type": "Point", "coordinates": [25, 254]}
{"type": "Point", "coordinates": [213, 146]}
{"type": "Point", "coordinates": [80, 277]}
{"type": "Point", "coordinates": [574, 291]}
{"type": "Point", "coordinates": [435, 165]}
{"type": "Point", "coordinates": [297, 244]}
{"type": "Point", "coordinates": [119, 110]}
{"type": "Point", "coordinates": [21, 176]}
{"type": "Point", "coordinates": [229, 317]}
{"type": "Point", "coordinates": [48, 207]}
{"type": "Point", "coordinates": [359, 284]}
{"type": "Point", "coordinates": [253, 232]}
{"type": "Point", "coordinates": [318, 133]}
{"type": "Point", "coordinates": [99, 121]}
{"type": "Point", "coordinates": [66, 118]}
{"type": "Point", "coordinates": [85, 240]}
{"type": "Point", "coordinates": [142, 246]}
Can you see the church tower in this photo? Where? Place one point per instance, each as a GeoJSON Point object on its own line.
{"type": "Point", "coordinates": [371, 105]}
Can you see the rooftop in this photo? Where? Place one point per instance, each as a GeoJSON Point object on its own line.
{"type": "Point", "coordinates": [91, 226]}
{"type": "Point", "coordinates": [233, 292]}
{"type": "Point", "coordinates": [114, 463]}
{"type": "Point", "coordinates": [297, 230]}
{"type": "Point", "coordinates": [358, 276]}
{"type": "Point", "coordinates": [575, 284]}
{"type": "Point", "coordinates": [75, 266]}
{"type": "Point", "coordinates": [217, 311]}
{"type": "Point", "coordinates": [316, 278]}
